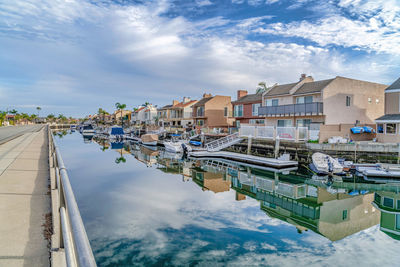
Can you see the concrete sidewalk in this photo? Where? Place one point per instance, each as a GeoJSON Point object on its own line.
{"type": "Point", "coordinates": [24, 200]}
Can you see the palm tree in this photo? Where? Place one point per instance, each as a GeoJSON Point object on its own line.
{"type": "Point", "coordinates": [51, 117]}
{"type": "Point", "coordinates": [120, 159]}
{"type": "Point", "coordinates": [38, 110]}
{"type": "Point", "coordinates": [120, 107]}
{"type": "Point", "coordinates": [32, 117]}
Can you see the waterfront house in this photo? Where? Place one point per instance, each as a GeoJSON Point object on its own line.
{"type": "Point", "coordinates": [245, 108]}
{"type": "Point", "coordinates": [119, 115]}
{"type": "Point", "coordinates": [138, 115]}
{"type": "Point", "coordinates": [179, 114]}
{"type": "Point", "coordinates": [163, 115]}
{"type": "Point", "coordinates": [213, 112]}
{"type": "Point", "coordinates": [388, 125]}
{"type": "Point", "coordinates": [332, 106]}
{"type": "Point", "coordinates": [389, 205]}
{"type": "Point", "coordinates": [150, 115]}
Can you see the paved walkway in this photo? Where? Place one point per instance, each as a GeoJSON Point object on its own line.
{"type": "Point", "coordinates": [10, 132]}
{"type": "Point", "coordinates": [24, 179]}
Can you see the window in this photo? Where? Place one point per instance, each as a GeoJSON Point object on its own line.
{"type": "Point", "coordinates": [256, 121]}
{"type": "Point", "coordinates": [388, 202]}
{"type": "Point", "coordinates": [226, 111]}
{"type": "Point", "coordinates": [271, 102]}
{"type": "Point", "coordinates": [344, 215]}
{"type": "Point", "coordinates": [200, 111]}
{"type": "Point", "coordinates": [379, 128]}
{"type": "Point", "coordinates": [200, 122]}
{"type": "Point", "coordinates": [303, 122]}
{"type": "Point", "coordinates": [348, 101]}
{"type": "Point", "coordinates": [398, 221]}
{"type": "Point", "coordinates": [390, 128]}
{"type": "Point", "coordinates": [238, 110]}
{"type": "Point", "coordinates": [398, 204]}
{"type": "Point", "coordinates": [284, 123]}
{"type": "Point", "coordinates": [377, 100]}
{"type": "Point", "coordinates": [238, 124]}
{"type": "Point", "coordinates": [255, 109]}
{"type": "Point", "coordinates": [369, 100]}
{"type": "Point", "coordinates": [377, 199]}
{"type": "Point", "coordinates": [304, 99]}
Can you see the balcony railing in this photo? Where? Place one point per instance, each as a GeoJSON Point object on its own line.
{"type": "Point", "coordinates": [315, 108]}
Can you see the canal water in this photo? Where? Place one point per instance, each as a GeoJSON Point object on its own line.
{"type": "Point", "coordinates": [144, 207]}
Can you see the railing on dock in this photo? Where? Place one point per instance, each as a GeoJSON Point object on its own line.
{"type": "Point", "coordinates": [222, 143]}
{"type": "Point", "coordinates": [73, 237]}
{"type": "Point", "coordinates": [284, 133]}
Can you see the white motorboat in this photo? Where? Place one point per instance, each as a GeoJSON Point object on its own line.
{"type": "Point", "coordinates": [149, 139]}
{"type": "Point", "coordinates": [88, 130]}
{"type": "Point", "coordinates": [175, 147]}
{"type": "Point", "coordinates": [325, 164]}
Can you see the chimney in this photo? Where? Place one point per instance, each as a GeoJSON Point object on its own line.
{"type": "Point", "coordinates": [241, 93]}
{"type": "Point", "coordinates": [303, 76]}
{"type": "Point", "coordinates": [186, 99]}
{"type": "Point", "coordinates": [175, 102]}
{"type": "Point", "coordinates": [206, 95]}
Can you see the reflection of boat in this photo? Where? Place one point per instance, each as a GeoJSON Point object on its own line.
{"type": "Point", "coordinates": [88, 130]}
{"type": "Point", "coordinates": [175, 147]}
{"type": "Point", "coordinates": [325, 164]}
{"type": "Point", "coordinates": [148, 151]}
{"type": "Point", "coordinates": [149, 139]}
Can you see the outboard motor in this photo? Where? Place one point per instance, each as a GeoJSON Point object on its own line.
{"type": "Point", "coordinates": [186, 149]}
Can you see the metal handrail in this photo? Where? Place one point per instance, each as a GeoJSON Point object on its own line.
{"type": "Point", "coordinates": [222, 141]}
{"type": "Point", "coordinates": [78, 251]}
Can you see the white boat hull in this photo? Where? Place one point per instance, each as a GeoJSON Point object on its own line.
{"type": "Point", "coordinates": [174, 147]}
{"type": "Point", "coordinates": [152, 143]}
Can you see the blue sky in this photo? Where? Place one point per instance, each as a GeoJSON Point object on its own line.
{"type": "Point", "coordinates": [74, 56]}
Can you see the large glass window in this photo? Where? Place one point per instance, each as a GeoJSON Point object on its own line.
{"type": "Point", "coordinates": [344, 215]}
{"type": "Point", "coordinates": [377, 199]}
{"type": "Point", "coordinates": [303, 122]}
{"type": "Point", "coordinates": [379, 128]}
{"type": "Point", "coordinates": [304, 99]}
{"type": "Point", "coordinates": [284, 123]}
{"type": "Point", "coordinates": [271, 102]}
{"type": "Point", "coordinates": [388, 202]}
{"type": "Point", "coordinates": [238, 111]}
{"type": "Point", "coordinates": [391, 128]}
{"type": "Point", "coordinates": [200, 111]}
{"type": "Point", "coordinates": [255, 109]}
{"type": "Point", "coordinates": [200, 122]}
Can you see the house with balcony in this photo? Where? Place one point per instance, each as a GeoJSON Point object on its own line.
{"type": "Point", "coordinates": [388, 125]}
{"type": "Point", "coordinates": [245, 108]}
{"type": "Point", "coordinates": [213, 112]}
{"type": "Point", "coordinates": [122, 115]}
{"type": "Point", "coordinates": [181, 114]}
{"type": "Point", "coordinates": [138, 116]}
{"type": "Point", "coordinates": [332, 106]}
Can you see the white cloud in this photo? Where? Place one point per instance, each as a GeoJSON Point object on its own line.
{"type": "Point", "coordinates": [204, 3]}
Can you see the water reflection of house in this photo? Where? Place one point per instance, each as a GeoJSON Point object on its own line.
{"type": "Point", "coordinates": [334, 216]}
{"type": "Point", "coordinates": [174, 164]}
{"type": "Point", "coordinates": [210, 180]}
{"type": "Point", "coordinates": [146, 155]}
{"type": "Point", "coordinates": [389, 205]}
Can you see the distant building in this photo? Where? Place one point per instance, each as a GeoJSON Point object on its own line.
{"type": "Point", "coordinates": [179, 114]}
{"type": "Point", "coordinates": [388, 125]}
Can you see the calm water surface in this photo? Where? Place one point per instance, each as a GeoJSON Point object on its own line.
{"type": "Point", "coordinates": [143, 208]}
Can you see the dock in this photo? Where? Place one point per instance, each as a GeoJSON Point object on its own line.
{"type": "Point", "coordinates": [24, 198]}
{"type": "Point", "coordinates": [244, 158]}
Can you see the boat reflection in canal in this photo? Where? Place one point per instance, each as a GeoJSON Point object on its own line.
{"type": "Point", "coordinates": [223, 213]}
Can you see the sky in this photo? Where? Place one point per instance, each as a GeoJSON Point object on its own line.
{"type": "Point", "coordinates": [72, 57]}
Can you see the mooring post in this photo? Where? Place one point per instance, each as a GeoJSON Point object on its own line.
{"type": "Point", "coordinates": [249, 141]}
{"type": "Point", "coordinates": [277, 141]}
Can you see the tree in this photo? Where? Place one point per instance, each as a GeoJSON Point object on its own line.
{"type": "Point", "coordinates": [3, 115]}
{"type": "Point", "coordinates": [120, 107]}
{"type": "Point", "coordinates": [38, 110]}
{"type": "Point", "coordinates": [32, 117]}
{"type": "Point", "coordinates": [262, 87]}
{"type": "Point", "coordinates": [51, 117]}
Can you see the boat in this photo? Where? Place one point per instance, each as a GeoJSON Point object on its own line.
{"type": "Point", "coordinates": [116, 132]}
{"type": "Point", "coordinates": [149, 139]}
{"type": "Point", "coordinates": [88, 130]}
{"type": "Point", "coordinates": [175, 147]}
{"type": "Point", "coordinates": [323, 164]}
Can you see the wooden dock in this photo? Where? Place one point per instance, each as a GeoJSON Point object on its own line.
{"type": "Point", "coordinates": [244, 158]}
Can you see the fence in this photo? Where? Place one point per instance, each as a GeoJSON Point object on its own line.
{"type": "Point", "coordinates": [271, 132]}
{"type": "Point", "coordinates": [72, 236]}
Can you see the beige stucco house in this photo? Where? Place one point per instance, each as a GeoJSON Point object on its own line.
{"type": "Point", "coordinates": [213, 112]}
{"type": "Point", "coordinates": [179, 114]}
{"type": "Point", "coordinates": [334, 103]}
{"type": "Point", "coordinates": [388, 125]}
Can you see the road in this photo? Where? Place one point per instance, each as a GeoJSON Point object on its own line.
{"type": "Point", "coordinates": [11, 132]}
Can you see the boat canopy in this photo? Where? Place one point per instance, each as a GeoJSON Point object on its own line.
{"type": "Point", "coordinates": [87, 127]}
{"type": "Point", "coordinates": [357, 130]}
{"type": "Point", "coordinates": [117, 145]}
{"type": "Point", "coordinates": [368, 129]}
{"type": "Point", "coordinates": [117, 130]}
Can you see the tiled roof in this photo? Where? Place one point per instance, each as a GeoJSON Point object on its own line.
{"type": "Point", "coordinates": [389, 117]}
{"type": "Point", "coordinates": [182, 105]}
{"type": "Point", "coordinates": [165, 107]}
{"type": "Point", "coordinates": [283, 89]}
{"type": "Point", "coordinates": [249, 98]}
{"type": "Point", "coordinates": [202, 101]}
{"type": "Point", "coordinates": [312, 87]}
{"type": "Point", "coordinates": [395, 85]}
